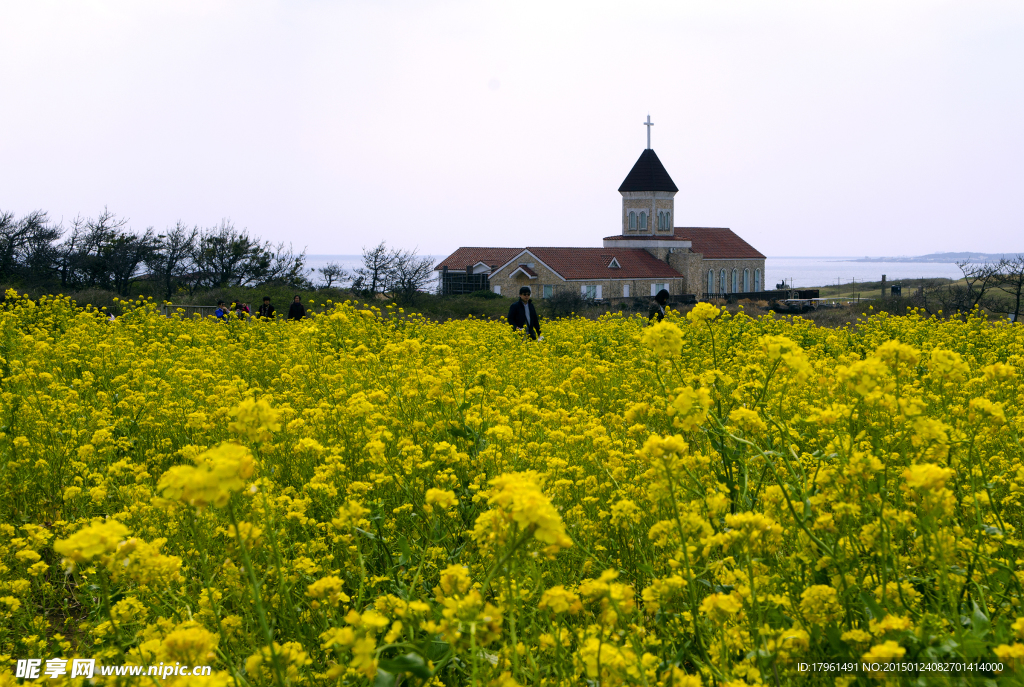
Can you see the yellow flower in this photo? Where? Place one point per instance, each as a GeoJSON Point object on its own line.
{"type": "Point", "coordinates": [441, 498]}
{"type": "Point", "coordinates": [926, 477]}
{"type": "Point", "coordinates": [665, 339]}
{"type": "Point", "coordinates": [747, 420]}
{"type": "Point", "coordinates": [689, 409]}
{"type": "Point", "coordinates": [720, 607]}
{"type": "Point", "coordinates": [91, 542]}
{"type": "Point", "coordinates": [255, 420]}
{"type": "Point", "coordinates": [1012, 655]}
{"type": "Point", "coordinates": [820, 604]}
{"type": "Point", "coordinates": [886, 651]}
{"type": "Point", "coordinates": [518, 495]}
{"type": "Point", "coordinates": [329, 588]}
{"type": "Point", "coordinates": [218, 473]}
{"type": "Point", "coordinates": [703, 312]}
{"type": "Point", "coordinates": [949, 365]}
{"type": "Point", "coordinates": [895, 352]}
{"type": "Point", "coordinates": [560, 600]}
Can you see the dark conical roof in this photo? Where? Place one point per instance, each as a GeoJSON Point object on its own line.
{"type": "Point", "coordinates": [648, 174]}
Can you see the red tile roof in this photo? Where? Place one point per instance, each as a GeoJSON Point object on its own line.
{"type": "Point", "coordinates": [714, 243]}
{"type": "Point", "coordinates": [592, 263]}
{"type": "Point", "coordinates": [718, 243]}
{"type": "Point", "coordinates": [471, 256]}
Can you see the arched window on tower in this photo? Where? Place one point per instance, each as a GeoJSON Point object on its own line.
{"type": "Point", "coordinates": [722, 286]}
{"type": "Point", "coordinates": [668, 221]}
{"type": "Point", "coordinates": [735, 280]}
{"type": "Point", "coordinates": [711, 281]}
{"type": "Point", "coordinates": [757, 280]}
{"type": "Point", "coordinates": [632, 220]}
{"type": "Point", "coordinates": [661, 220]}
{"type": "Point", "coordinates": [746, 280]}
{"type": "Point", "coordinates": [643, 220]}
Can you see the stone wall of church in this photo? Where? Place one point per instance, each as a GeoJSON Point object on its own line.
{"type": "Point", "coordinates": [610, 288]}
{"type": "Point", "coordinates": [510, 285]}
{"type": "Point", "coordinates": [729, 266]}
{"type": "Point", "coordinates": [689, 265]}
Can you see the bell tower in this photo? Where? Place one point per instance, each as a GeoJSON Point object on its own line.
{"type": "Point", "coordinates": [648, 195]}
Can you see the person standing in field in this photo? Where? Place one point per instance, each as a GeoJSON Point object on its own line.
{"type": "Point", "coordinates": [221, 313]}
{"type": "Point", "coordinates": [296, 311]}
{"type": "Point", "coordinates": [523, 316]}
{"type": "Point", "coordinates": [266, 310]}
{"type": "Point", "coordinates": [658, 307]}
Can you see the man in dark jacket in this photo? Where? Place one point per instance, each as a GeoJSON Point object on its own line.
{"type": "Point", "coordinates": [266, 310]}
{"type": "Point", "coordinates": [522, 314]}
{"type": "Point", "coordinates": [658, 307]}
{"type": "Point", "coordinates": [296, 311]}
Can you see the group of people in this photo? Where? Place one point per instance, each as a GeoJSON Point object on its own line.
{"type": "Point", "coordinates": [523, 316]}
{"type": "Point", "coordinates": [240, 310]}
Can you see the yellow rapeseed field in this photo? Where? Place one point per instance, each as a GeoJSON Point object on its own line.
{"type": "Point", "coordinates": [367, 497]}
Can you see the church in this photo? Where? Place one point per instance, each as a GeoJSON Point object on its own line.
{"type": "Point", "coordinates": [649, 253]}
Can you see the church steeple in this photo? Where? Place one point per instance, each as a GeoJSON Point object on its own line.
{"type": "Point", "coordinates": [648, 197]}
{"type": "Point", "coordinates": [648, 174]}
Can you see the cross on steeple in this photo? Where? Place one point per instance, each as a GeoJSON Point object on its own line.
{"type": "Point", "coordinates": [648, 124]}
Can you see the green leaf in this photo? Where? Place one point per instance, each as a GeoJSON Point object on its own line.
{"type": "Point", "coordinates": [980, 624]}
{"type": "Point", "coordinates": [384, 679]}
{"type": "Point", "coordinates": [403, 546]}
{"type": "Point", "coordinates": [874, 611]}
{"type": "Point", "coordinates": [436, 650]}
{"type": "Point", "coordinates": [410, 663]}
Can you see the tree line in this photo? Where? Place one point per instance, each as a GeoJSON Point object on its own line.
{"type": "Point", "coordinates": [997, 286]}
{"type": "Point", "coordinates": [104, 253]}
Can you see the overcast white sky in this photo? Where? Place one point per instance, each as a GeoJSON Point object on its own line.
{"type": "Point", "coordinates": [810, 128]}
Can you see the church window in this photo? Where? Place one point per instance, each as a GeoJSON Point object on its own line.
{"type": "Point", "coordinates": [643, 220]}
{"type": "Point", "coordinates": [746, 280]}
{"type": "Point", "coordinates": [757, 280]}
{"type": "Point", "coordinates": [668, 220]}
{"type": "Point", "coordinates": [735, 280]}
{"type": "Point", "coordinates": [547, 291]}
{"type": "Point", "coordinates": [711, 281]}
{"type": "Point", "coordinates": [722, 287]}
{"type": "Point", "coordinates": [632, 220]}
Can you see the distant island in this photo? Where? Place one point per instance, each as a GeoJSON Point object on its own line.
{"type": "Point", "coordinates": [941, 257]}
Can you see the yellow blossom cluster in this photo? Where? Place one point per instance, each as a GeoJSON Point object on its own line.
{"type": "Point", "coordinates": [367, 497]}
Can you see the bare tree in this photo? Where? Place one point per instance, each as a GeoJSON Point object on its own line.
{"type": "Point", "coordinates": [171, 263]}
{"type": "Point", "coordinates": [1011, 281]}
{"type": "Point", "coordinates": [410, 273]}
{"type": "Point", "coordinates": [373, 276]}
{"type": "Point", "coordinates": [333, 272]}
{"type": "Point", "coordinates": [288, 268]}
{"type": "Point", "coordinates": [225, 256]}
{"type": "Point", "coordinates": [979, 278]}
{"type": "Point", "coordinates": [26, 246]}
{"type": "Point", "coordinates": [124, 253]}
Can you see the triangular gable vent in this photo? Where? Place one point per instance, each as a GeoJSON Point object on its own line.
{"type": "Point", "coordinates": [614, 264]}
